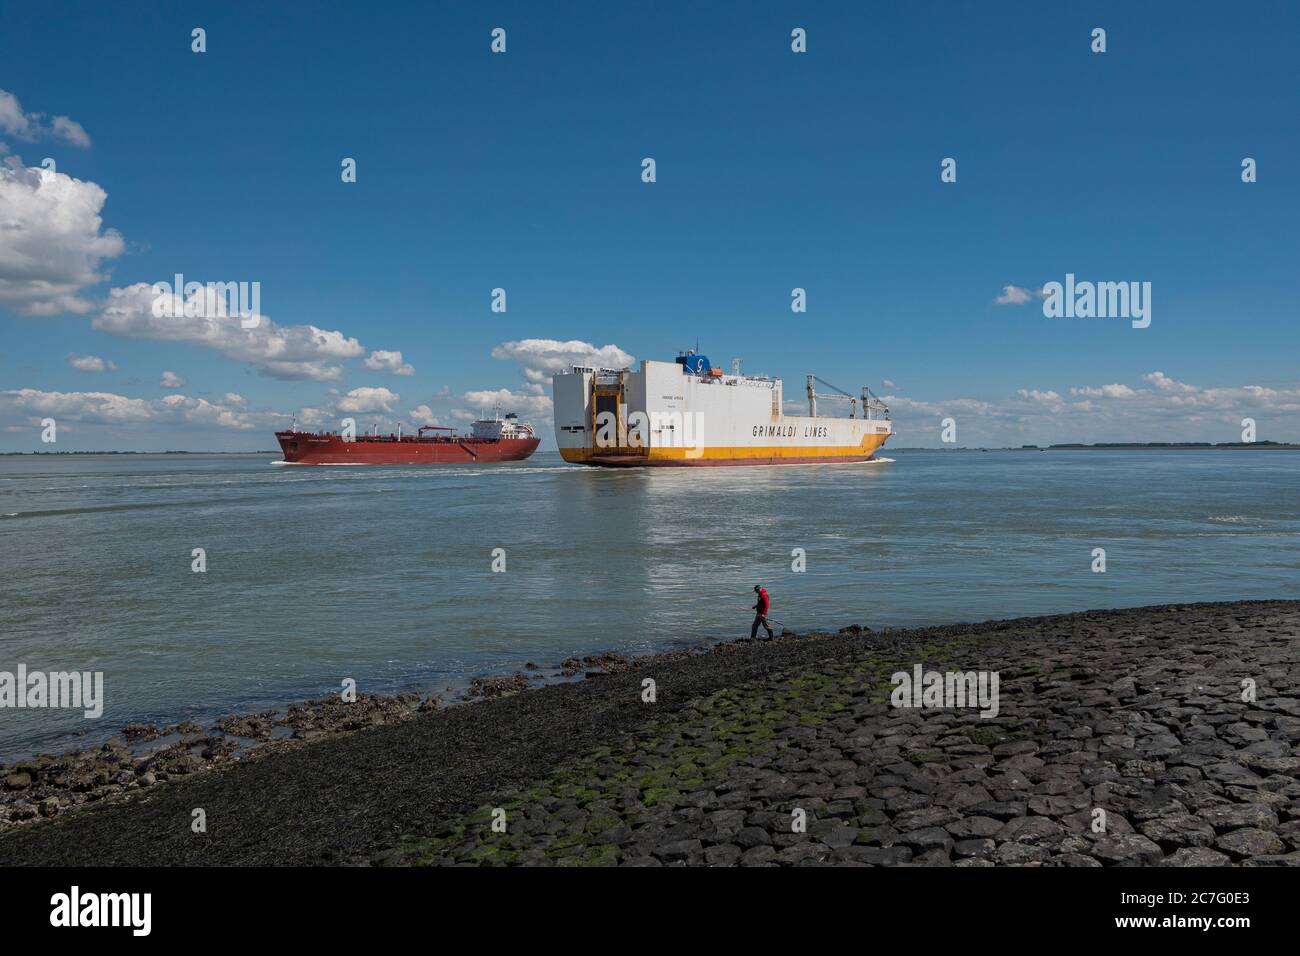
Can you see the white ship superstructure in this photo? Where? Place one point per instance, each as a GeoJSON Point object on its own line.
{"type": "Point", "coordinates": [497, 428]}
{"type": "Point", "coordinates": [687, 412]}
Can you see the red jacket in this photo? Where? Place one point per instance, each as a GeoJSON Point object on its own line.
{"type": "Point", "coordinates": [763, 601]}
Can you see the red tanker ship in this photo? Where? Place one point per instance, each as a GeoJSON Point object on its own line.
{"type": "Point", "coordinates": [490, 440]}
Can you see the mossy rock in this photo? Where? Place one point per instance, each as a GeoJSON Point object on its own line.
{"type": "Point", "coordinates": [656, 796]}
{"type": "Point", "coordinates": [923, 756]}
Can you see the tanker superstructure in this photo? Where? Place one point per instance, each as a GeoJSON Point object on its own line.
{"type": "Point", "coordinates": [687, 412]}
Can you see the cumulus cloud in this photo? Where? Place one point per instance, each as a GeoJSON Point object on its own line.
{"type": "Point", "coordinates": [310, 417]}
{"type": "Point", "coordinates": [367, 399]}
{"type": "Point", "coordinates": [90, 363]}
{"type": "Point", "coordinates": [171, 380]}
{"type": "Point", "coordinates": [542, 358]}
{"type": "Point", "coordinates": [70, 131]}
{"type": "Point", "coordinates": [1166, 410]}
{"type": "Point", "coordinates": [527, 406]}
{"type": "Point", "coordinates": [15, 121]}
{"type": "Point", "coordinates": [381, 361]}
{"type": "Point", "coordinates": [1018, 295]}
{"type": "Point", "coordinates": [27, 406]}
{"type": "Point", "coordinates": [1104, 391]}
{"type": "Point", "coordinates": [1166, 384]}
{"type": "Point", "coordinates": [423, 415]}
{"type": "Point", "coordinates": [51, 244]}
{"type": "Point", "coordinates": [233, 398]}
{"type": "Point", "coordinates": [287, 352]}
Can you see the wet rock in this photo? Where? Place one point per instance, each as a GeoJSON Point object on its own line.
{"type": "Point", "coordinates": [758, 856]}
{"type": "Point", "coordinates": [750, 837]}
{"type": "Point", "coordinates": [927, 839]}
{"type": "Point", "coordinates": [490, 687]}
{"type": "Point", "coordinates": [253, 726]}
{"type": "Point", "coordinates": [1020, 854]}
{"type": "Point", "coordinates": [141, 732]}
{"type": "Point", "coordinates": [1031, 830]}
{"type": "Point", "coordinates": [1233, 815]}
{"type": "Point", "coordinates": [1249, 842]}
{"type": "Point", "coordinates": [975, 827]}
{"type": "Point", "coordinates": [1128, 850]}
{"type": "Point", "coordinates": [982, 848]}
{"type": "Point", "coordinates": [684, 850]}
{"type": "Point", "coordinates": [1195, 856]}
{"type": "Point", "coordinates": [722, 854]}
{"type": "Point", "coordinates": [1178, 831]}
{"type": "Point", "coordinates": [875, 855]}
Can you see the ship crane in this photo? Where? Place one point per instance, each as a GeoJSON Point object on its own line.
{"type": "Point", "coordinates": [840, 396]}
{"type": "Point", "coordinates": [870, 404]}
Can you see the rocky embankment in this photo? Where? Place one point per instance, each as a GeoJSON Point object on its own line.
{"type": "Point", "coordinates": [144, 755]}
{"type": "Point", "coordinates": [1127, 738]}
{"type": "Point", "coordinates": [1149, 736]}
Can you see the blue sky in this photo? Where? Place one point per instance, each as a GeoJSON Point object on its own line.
{"type": "Point", "coordinates": [775, 170]}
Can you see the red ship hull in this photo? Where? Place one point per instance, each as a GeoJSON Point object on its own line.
{"type": "Point", "coordinates": [303, 448]}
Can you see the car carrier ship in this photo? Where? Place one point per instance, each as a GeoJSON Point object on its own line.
{"type": "Point", "coordinates": [687, 412]}
{"type": "Point", "coordinates": [490, 440]}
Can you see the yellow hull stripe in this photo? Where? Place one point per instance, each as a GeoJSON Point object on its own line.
{"type": "Point", "coordinates": [869, 444]}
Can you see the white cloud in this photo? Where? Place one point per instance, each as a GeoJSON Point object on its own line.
{"type": "Point", "coordinates": [314, 417]}
{"type": "Point", "coordinates": [1166, 384]}
{"type": "Point", "coordinates": [51, 246]}
{"type": "Point", "coordinates": [90, 363]}
{"type": "Point", "coordinates": [1016, 295]}
{"type": "Point", "coordinates": [423, 415]}
{"type": "Point", "coordinates": [1168, 410]}
{"type": "Point", "coordinates": [368, 400]}
{"type": "Point", "coordinates": [104, 407]}
{"type": "Point", "coordinates": [1104, 391]}
{"type": "Point", "coordinates": [542, 358]}
{"type": "Point", "coordinates": [171, 380]}
{"type": "Point", "coordinates": [28, 406]}
{"type": "Point", "coordinates": [1035, 395]}
{"type": "Point", "coordinates": [381, 361]}
{"type": "Point", "coordinates": [233, 398]}
{"type": "Point", "coordinates": [288, 352]}
{"type": "Point", "coordinates": [70, 131]}
{"type": "Point", "coordinates": [15, 121]}
{"type": "Point", "coordinates": [528, 407]}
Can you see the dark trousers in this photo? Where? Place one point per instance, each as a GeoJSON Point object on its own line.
{"type": "Point", "coordinates": [759, 619]}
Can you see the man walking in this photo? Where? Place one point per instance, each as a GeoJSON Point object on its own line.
{"type": "Point", "coordinates": [760, 612]}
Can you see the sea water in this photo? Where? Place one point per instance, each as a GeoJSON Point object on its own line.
{"type": "Point", "coordinates": [386, 575]}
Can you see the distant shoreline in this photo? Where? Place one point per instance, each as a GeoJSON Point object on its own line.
{"type": "Point", "coordinates": [1131, 446]}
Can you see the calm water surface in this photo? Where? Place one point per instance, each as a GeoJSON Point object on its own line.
{"type": "Point", "coordinates": [384, 574]}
